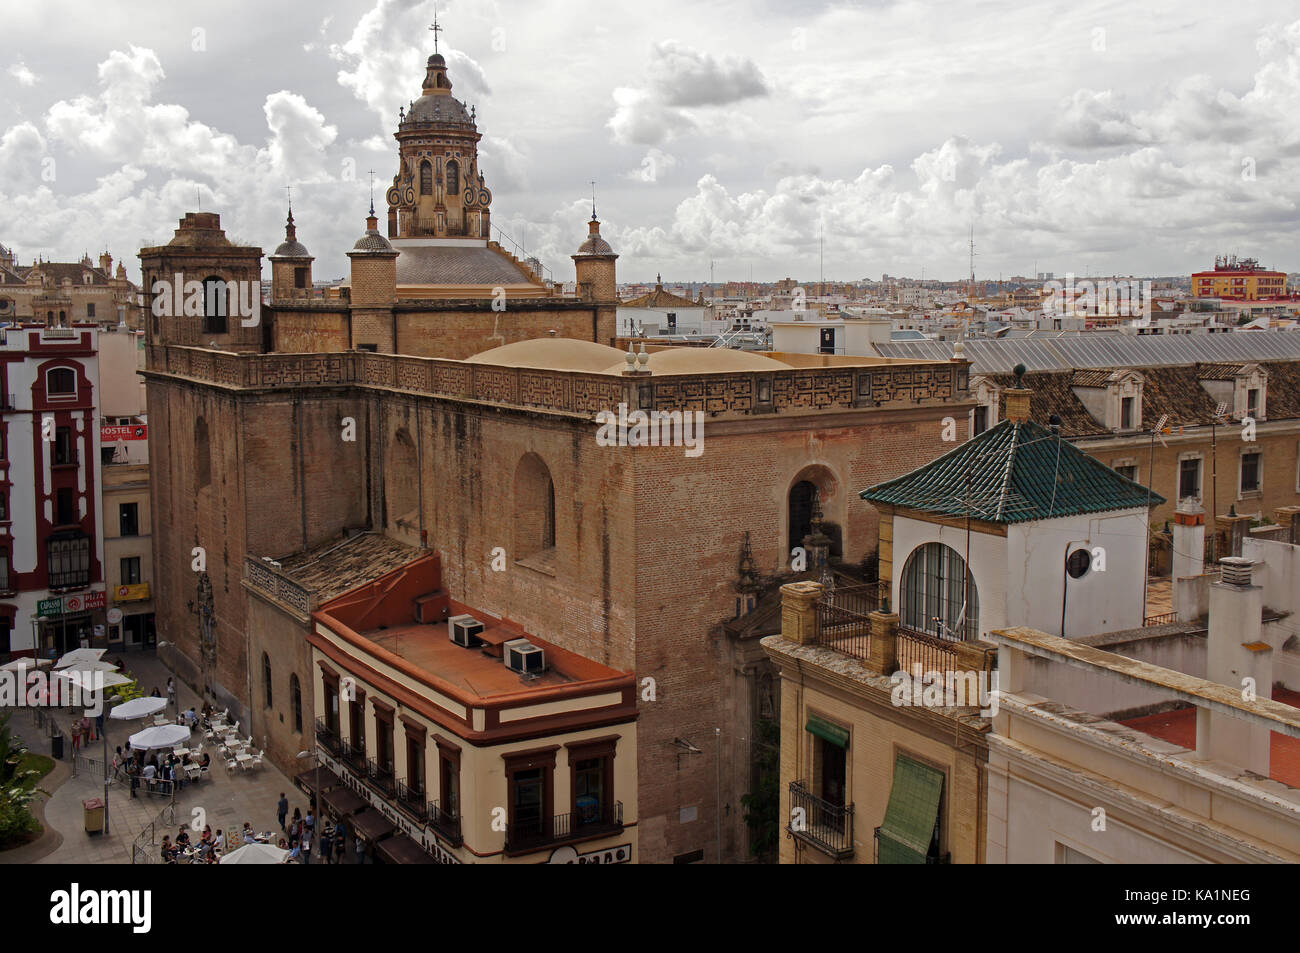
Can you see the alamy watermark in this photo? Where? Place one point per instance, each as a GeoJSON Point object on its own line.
{"type": "Point", "coordinates": [656, 428]}
{"type": "Point", "coordinates": [212, 297]}
{"type": "Point", "coordinates": [950, 689]}
{"type": "Point", "coordinates": [67, 688]}
{"type": "Point", "coordinates": [1100, 299]}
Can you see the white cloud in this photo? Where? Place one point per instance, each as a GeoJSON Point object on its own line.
{"type": "Point", "coordinates": [680, 82]}
{"type": "Point", "coordinates": [23, 75]}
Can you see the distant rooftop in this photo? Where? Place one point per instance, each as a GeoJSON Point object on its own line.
{"type": "Point", "coordinates": [1105, 350]}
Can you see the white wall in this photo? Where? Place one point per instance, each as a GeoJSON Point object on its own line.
{"type": "Point", "coordinates": [1099, 601]}
{"type": "Point", "coordinates": [1020, 577]}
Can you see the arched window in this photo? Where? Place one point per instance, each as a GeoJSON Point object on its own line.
{"type": "Point", "coordinates": [60, 381]}
{"type": "Point", "coordinates": [453, 178]}
{"type": "Point", "coordinates": [534, 507]}
{"type": "Point", "coordinates": [202, 454]}
{"type": "Point", "coordinates": [266, 679]}
{"type": "Point", "coordinates": [938, 593]}
{"type": "Point", "coordinates": [295, 695]}
{"type": "Point", "coordinates": [801, 503]}
{"type": "Point", "coordinates": [426, 178]}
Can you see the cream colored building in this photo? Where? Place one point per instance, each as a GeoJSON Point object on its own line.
{"type": "Point", "coordinates": [865, 778]}
{"type": "Point", "coordinates": [436, 751]}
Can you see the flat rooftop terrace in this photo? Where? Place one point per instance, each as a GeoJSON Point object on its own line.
{"type": "Point", "coordinates": [429, 648]}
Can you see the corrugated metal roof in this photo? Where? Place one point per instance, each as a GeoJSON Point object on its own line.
{"type": "Point", "coordinates": [1107, 350]}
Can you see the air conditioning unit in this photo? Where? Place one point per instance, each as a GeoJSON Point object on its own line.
{"type": "Point", "coordinates": [464, 631]}
{"type": "Point", "coordinates": [525, 658]}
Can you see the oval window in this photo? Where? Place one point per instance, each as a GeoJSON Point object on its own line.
{"type": "Point", "coordinates": [1078, 564]}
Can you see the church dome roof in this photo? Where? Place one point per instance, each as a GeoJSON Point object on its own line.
{"type": "Point", "coordinates": [372, 241]}
{"type": "Point", "coordinates": [595, 245]}
{"type": "Point", "coordinates": [438, 109]}
{"type": "Point", "coordinates": [293, 249]}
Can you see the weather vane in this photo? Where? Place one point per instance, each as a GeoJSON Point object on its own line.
{"type": "Point", "coordinates": [372, 191]}
{"type": "Point", "coordinates": [593, 200]}
{"type": "Point", "coordinates": [435, 28]}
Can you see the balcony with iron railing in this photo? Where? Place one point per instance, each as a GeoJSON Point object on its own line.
{"type": "Point", "coordinates": [412, 801]}
{"type": "Point", "coordinates": [354, 756]}
{"type": "Point", "coordinates": [843, 616]}
{"type": "Point", "coordinates": [379, 775]}
{"type": "Point", "coordinates": [446, 823]}
{"type": "Point", "coordinates": [820, 823]}
{"type": "Point", "coordinates": [328, 738]}
{"type": "Point", "coordinates": [525, 836]}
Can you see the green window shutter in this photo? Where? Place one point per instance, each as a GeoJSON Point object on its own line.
{"type": "Point", "coordinates": [827, 731]}
{"type": "Point", "coordinates": [912, 814]}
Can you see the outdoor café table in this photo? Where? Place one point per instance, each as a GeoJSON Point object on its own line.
{"type": "Point", "coordinates": [193, 771]}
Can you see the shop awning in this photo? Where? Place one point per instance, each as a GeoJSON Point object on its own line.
{"type": "Point", "coordinates": [342, 801]}
{"type": "Point", "coordinates": [912, 814]}
{"type": "Point", "coordinates": [306, 780]}
{"type": "Point", "coordinates": [372, 825]}
{"type": "Point", "coordinates": [402, 850]}
{"type": "Point", "coordinates": [828, 732]}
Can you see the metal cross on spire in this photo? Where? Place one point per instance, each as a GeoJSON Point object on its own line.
{"type": "Point", "coordinates": [288, 190]}
{"type": "Point", "coordinates": [372, 191]}
{"type": "Point", "coordinates": [435, 28]}
{"type": "Point", "coordinates": [593, 200]}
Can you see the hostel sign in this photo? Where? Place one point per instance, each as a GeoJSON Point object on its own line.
{"type": "Point", "coordinates": [70, 605]}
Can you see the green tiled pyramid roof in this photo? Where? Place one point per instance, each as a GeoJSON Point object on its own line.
{"type": "Point", "coordinates": [1018, 472]}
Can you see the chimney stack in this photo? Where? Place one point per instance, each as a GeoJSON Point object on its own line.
{"type": "Point", "coordinates": [1235, 652]}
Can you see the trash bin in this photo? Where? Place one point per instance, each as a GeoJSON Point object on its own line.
{"type": "Point", "coordinates": [93, 812]}
{"type": "Point", "coordinates": [56, 746]}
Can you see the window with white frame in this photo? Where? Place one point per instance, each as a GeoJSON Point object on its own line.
{"type": "Point", "coordinates": [1251, 472]}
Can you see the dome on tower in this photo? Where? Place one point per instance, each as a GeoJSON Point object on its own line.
{"type": "Point", "coordinates": [438, 109]}
{"type": "Point", "coordinates": [595, 245]}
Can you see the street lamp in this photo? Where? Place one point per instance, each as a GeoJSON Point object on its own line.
{"type": "Point", "coordinates": [315, 756]}
{"type": "Point", "coordinates": [103, 734]}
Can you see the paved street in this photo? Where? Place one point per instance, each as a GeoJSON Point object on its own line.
{"type": "Point", "coordinates": [226, 800]}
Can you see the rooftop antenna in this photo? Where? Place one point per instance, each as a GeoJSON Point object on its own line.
{"type": "Point", "coordinates": [972, 258]}
{"type": "Point", "coordinates": [435, 28]}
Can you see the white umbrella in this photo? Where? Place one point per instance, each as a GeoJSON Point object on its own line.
{"type": "Point", "coordinates": [19, 664]}
{"type": "Point", "coordinates": [255, 854]}
{"type": "Point", "coordinates": [80, 657]}
{"type": "Point", "coordinates": [85, 680]}
{"type": "Point", "coordinates": [159, 736]}
{"type": "Point", "coordinates": [138, 708]}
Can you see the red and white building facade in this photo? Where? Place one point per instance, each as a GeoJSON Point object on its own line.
{"type": "Point", "coordinates": [52, 592]}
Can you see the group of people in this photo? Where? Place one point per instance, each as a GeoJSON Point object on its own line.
{"type": "Point", "coordinates": [150, 771]}
{"type": "Point", "coordinates": [84, 729]}
{"type": "Point", "coordinates": [208, 850]}
{"type": "Point", "coordinates": [302, 836]}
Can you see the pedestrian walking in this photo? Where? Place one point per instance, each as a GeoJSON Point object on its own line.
{"type": "Point", "coordinates": [340, 842]}
{"type": "Point", "coordinates": [327, 843]}
{"type": "Point", "coordinates": [171, 691]}
{"type": "Point", "coordinates": [361, 850]}
{"type": "Point", "coordinates": [309, 822]}
{"type": "Point", "coordinates": [133, 775]}
{"type": "Point", "coordinates": [282, 810]}
{"type": "Point", "coordinates": [306, 847]}
{"type": "Point", "coordinates": [76, 736]}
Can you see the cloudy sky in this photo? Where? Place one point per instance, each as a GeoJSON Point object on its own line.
{"type": "Point", "coordinates": [1093, 136]}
